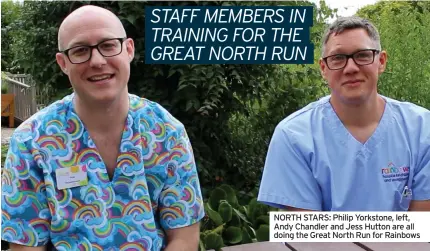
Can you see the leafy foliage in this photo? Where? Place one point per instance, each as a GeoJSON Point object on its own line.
{"type": "Point", "coordinates": [10, 12]}
{"type": "Point", "coordinates": [247, 151]}
{"type": "Point", "coordinates": [230, 222]}
{"type": "Point", "coordinates": [4, 149]}
{"type": "Point", "coordinates": [407, 46]}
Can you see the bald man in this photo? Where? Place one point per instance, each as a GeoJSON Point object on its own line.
{"type": "Point", "coordinates": [101, 169]}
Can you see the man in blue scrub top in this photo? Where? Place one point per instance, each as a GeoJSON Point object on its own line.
{"type": "Point", "coordinates": [101, 169]}
{"type": "Point", "coordinates": [354, 150]}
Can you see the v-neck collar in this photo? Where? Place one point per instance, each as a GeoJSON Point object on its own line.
{"type": "Point", "coordinates": [88, 141]}
{"type": "Point", "coordinates": [344, 136]}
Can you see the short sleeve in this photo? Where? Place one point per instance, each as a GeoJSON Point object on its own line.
{"type": "Point", "coordinates": [421, 180]}
{"type": "Point", "coordinates": [180, 201]}
{"type": "Point", "coordinates": [287, 178]}
{"type": "Point", "coordinates": [25, 213]}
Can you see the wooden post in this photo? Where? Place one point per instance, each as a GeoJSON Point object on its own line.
{"type": "Point", "coordinates": [33, 96]}
{"type": "Point", "coordinates": [12, 113]}
{"type": "Point", "coordinates": [8, 108]}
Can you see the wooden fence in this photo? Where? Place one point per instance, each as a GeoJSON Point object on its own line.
{"type": "Point", "coordinates": [24, 90]}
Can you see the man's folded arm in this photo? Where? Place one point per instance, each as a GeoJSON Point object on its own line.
{"type": "Point", "coordinates": [420, 205]}
{"type": "Point", "coordinates": [184, 238]}
{"type": "Point", "coordinates": [25, 215]}
{"type": "Point", "coordinates": [183, 231]}
{"type": "Point", "coordinates": [17, 247]}
{"type": "Point", "coordinates": [421, 181]}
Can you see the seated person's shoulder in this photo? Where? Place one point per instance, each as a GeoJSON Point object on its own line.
{"type": "Point", "coordinates": [153, 115]}
{"type": "Point", "coordinates": [409, 115]}
{"type": "Point", "coordinates": [301, 123]}
{"type": "Point", "coordinates": [152, 110]}
{"type": "Point", "coordinates": [51, 116]}
{"type": "Point", "coordinates": [287, 181]}
{"type": "Point", "coordinates": [408, 110]}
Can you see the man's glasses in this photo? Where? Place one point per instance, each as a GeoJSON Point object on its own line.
{"type": "Point", "coordinates": [82, 53]}
{"type": "Point", "coordinates": [362, 57]}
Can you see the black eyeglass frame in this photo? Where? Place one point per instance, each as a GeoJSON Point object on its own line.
{"type": "Point", "coordinates": [348, 56]}
{"type": "Point", "coordinates": [66, 52]}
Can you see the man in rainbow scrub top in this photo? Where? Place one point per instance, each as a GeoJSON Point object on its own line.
{"type": "Point", "coordinates": [100, 169]}
{"type": "Point", "coordinates": [354, 150]}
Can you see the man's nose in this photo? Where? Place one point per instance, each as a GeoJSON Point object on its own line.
{"type": "Point", "coordinates": [97, 59]}
{"type": "Point", "coordinates": [351, 66]}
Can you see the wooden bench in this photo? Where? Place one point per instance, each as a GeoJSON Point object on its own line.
{"type": "Point", "coordinates": [330, 246]}
{"type": "Point", "coordinates": [8, 107]}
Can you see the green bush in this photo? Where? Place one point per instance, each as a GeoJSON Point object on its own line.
{"type": "Point", "coordinates": [4, 87]}
{"type": "Point", "coordinates": [229, 222]}
{"type": "Point", "coordinates": [407, 46]}
{"type": "Point", "coordinates": [4, 149]}
{"type": "Point", "coordinates": [251, 132]}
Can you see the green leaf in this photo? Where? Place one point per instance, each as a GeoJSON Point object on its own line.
{"type": "Point", "coordinates": [256, 209]}
{"type": "Point", "coordinates": [213, 215]}
{"type": "Point", "coordinates": [244, 210]}
{"type": "Point", "coordinates": [250, 231]}
{"type": "Point", "coordinates": [241, 216]}
{"type": "Point", "coordinates": [246, 238]}
{"type": "Point", "coordinates": [196, 104]}
{"type": "Point", "coordinates": [235, 220]}
{"type": "Point", "coordinates": [182, 86]}
{"type": "Point", "coordinates": [189, 105]}
{"type": "Point", "coordinates": [262, 219]}
{"type": "Point", "coordinates": [233, 235]}
{"type": "Point", "coordinates": [215, 198]}
{"type": "Point", "coordinates": [202, 246]}
{"type": "Point", "coordinates": [171, 72]}
{"type": "Point", "coordinates": [209, 74]}
{"type": "Point", "coordinates": [263, 233]}
{"type": "Point", "coordinates": [231, 195]}
{"type": "Point", "coordinates": [132, 19]}
{"type": "Point", "coordinates": [213, 241]}
{"type": "Point", "coordinates": [225, 210]}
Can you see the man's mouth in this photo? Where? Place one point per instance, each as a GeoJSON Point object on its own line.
{"type": "Point", "coordinates": [352, 82]}
{"type": "Point", "coordinates": [98, 78]}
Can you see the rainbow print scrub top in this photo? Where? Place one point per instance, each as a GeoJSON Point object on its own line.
{"type": "Point", "coordinates": [155, 185]}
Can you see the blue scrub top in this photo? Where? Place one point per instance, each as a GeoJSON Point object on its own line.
{"type": "Point", "coordinates": [313, 162]}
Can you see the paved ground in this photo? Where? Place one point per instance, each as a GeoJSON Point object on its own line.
{"type": "Point", "coordinates": [6, 133]}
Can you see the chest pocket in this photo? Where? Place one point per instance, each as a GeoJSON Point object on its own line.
{"type": "Point", "coordinates": [403, 194]}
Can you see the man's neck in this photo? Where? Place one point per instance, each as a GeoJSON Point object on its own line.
{"type": "Point", "coordinates": [102, 117]}
{"type": "Point", "coordinates": [360, 115]}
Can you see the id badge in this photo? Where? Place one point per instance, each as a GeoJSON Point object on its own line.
{"type": "Point", "coordinates": [69, 177]}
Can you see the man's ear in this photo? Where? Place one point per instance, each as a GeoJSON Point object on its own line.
{"type": "Point", "coordinates": [382, 62]}
{"type": "Point", "coordinates": [129, 45]}
{"type": "Point", "coordinates": [61, 61]}
{"type": "Point", "coordinates": [323, 68]}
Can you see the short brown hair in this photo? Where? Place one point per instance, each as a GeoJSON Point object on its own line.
{"type": "Point", "coordinates": [347, 23]}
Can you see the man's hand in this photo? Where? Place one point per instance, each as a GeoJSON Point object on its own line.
{"type": "Point", "coordinates": [16, 247]}
{"type": "Point", "coordinates": [420, 205]}
{"type": "Point", "coordinates": [183, 239]}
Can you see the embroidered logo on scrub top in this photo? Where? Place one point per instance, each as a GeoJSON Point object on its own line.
{"type": "Point", "coordinates": [393, 173]}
